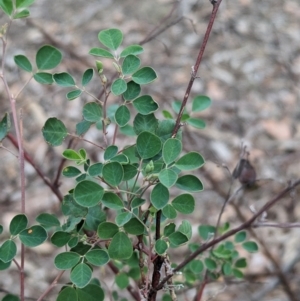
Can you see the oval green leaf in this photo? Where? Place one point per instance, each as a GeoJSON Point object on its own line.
{"type": "Point", "coordinates": [107, 230]}
{"type": "Point", "coordinates": [33, 236]}
{"type": "Point", "coordinates": [148, 145]}
{"type": "Point", "coordinates": [97, 257]}
{"type": "Point", "coordinates": [48, 57]}
{"type": "Point", "coordinates": [7, 6]}
{"type": "Point", "coordinates": [70, 154]}
{"type": "Point", "coordinates": [210, 264]}
{"type": "Point", "coordinates": [133, 91]}
{"type": "Point", "coordinates": [73, 94]}
{"type": "Point", "coordinates": [111, 38]}
{"type": "Point", "coordinates": [48, 220]}
{"type": "Point", "coordinates": [206, 231]}
{"type": "Point", "coordinates": [145, 104]}
{"type": "Point", "coordinates": [132, 49]}
{"type": "Point", "coordinates": [101, 52]}
{"type": "Point", "coordinates": [171, 150]}
{"type": "Point", "coordinates": [81, 275]}
{"type": "Point", "coordinates": [87, 76]}
{"type": "Point", "coordinates": [165, 129]}
{"type": "Point", "coordinates": [250, 246]}
{"type": "Point", "coordinates": [8, 251]}
{"type": "Point", "coordinates": [168, 177]}
{"type": "Point", "coordinates": [237, 273]}
{"type": "Point", "coordinates": [186, 229]}
{"type": "Point", "coordinates": [200, 103]}
{"type": "Point", "coordinates": [66, 260]}
{"type": "Point", "coordinates": [159, 196]}
{"type": "Point", "coordinates": [121, 159]}
{"type": "Point", "coordinates": [122, 115]}
{"type": "Point", "coordinates": [92, 112]}
{"type": "Point", "coordinates": [134, 226]}
{"type": "Point", "coordinates": [110, 152]}
{"type": "Point", "coordinates": [137, 202]}
{"type": "Point", "coordinates": [113, 173]}
{"type": "Point", "coordinates": [95, 169]}
{"type": "Point", "coordinates": [190, 161]}
{"type": "Point", "coordinates": [43, 78]}
{"type": "Point", "coordinates": [18, 224]}
{"type": "Point", "coordinates": [120, 247]}
{"type": "Point", "coordinates": [184, 203]}
{"type": "Point", "coordinates": [122, 218]}
{"type": "Point", "coordinates": [240, 236]}
{"type": "Point", "coordinates": [129, 172]}
{"type": "Point", "coordinates": [196, 266]}
{"type": "Point", "coordinates": [94, 217]}
{"type": "Point", "coordinates": [67, 294]}
{"type": "Point", "coordinates": [112, 201]}
{"type": "Point", "coordinates": [4, 265]}
{"type": "Point", "coordinates": [60, 238]}
{"type": "Point", "coordinates": [82, 127]}
{"type": "Point", "coordinates": [227, 269]}
{"type": "Point", "coordinates": [130, 64]}
{"type": "Point", "coordinates": [71, 171]}
{"type": "Point", "coordinates": [196, 123]}
{"type": "Point", "coordinates": [54, 131]}
{"type": "Point", "coordinates": [91, 292]}
{"type": "Point", "coordinates": [241, 263]}
{"type": "Point", "coordinates": [64, 79]}
{"type": "Point", "coordinates": [122, 280]}
{"type": "Point", "coordinates": [144, 76]}
{"type": "Point", "coordinates": [23, 3]}
{"type": "Point", "coordinates": [143, 123]}
{"type": "Point", "coordinates": [23, 62]}
{"type": "Point", "coordinates": [88, 193]}
{"type": "Point", "coordinates": [161, 247]}
{"type": "Point", "coordinates": [177, 238]}
{"type": "Point", "coordinates": [189, 183]}
{"type": "Point", "coordinates": [169, 212]}
{"type": "Point", "coordinates": [119, 86]}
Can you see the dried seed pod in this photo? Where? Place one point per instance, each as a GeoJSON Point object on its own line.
{"type": "Point", "coordinates": [244, 171]}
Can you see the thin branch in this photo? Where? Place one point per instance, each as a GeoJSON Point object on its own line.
{"type": "Point", "coordinates": [201, 289]}
{"type": "Point", "coordinates": [85, 140]}
{"type": "Point", "coordinates": [196, 67]}
{"type": "Point", "coordinates": [24, 86]}
{"type": "Point", "coordinates": [51, 286]}
{"type": "Point", "coordinates": [152, 37]}
{"type": "Point", "coordinates": [276, 225]}
{"type": "Point", "coordinates": [28, 158]}
{"type": "Point", "coordinates": [155, 31]}
{"type": "Point", "coordinates": [8, 150]}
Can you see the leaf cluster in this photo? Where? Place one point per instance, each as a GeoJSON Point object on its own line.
{"type": "Point", "coordinates": [120, 202]}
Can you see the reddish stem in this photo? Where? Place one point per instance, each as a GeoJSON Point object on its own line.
{"type": "Point", "coordinates": [28, 158]}
{"type": "Point", "coordinates": [196, 67]}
